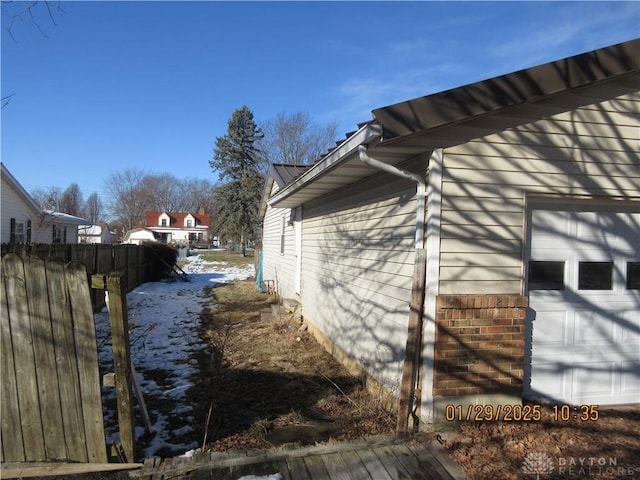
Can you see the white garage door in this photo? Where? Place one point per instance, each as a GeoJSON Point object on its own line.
{"type": "Point", "coordinates": [583, 277]}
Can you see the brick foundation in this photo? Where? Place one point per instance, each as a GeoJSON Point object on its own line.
{"type": "Point", "coordinates": [479, 344]}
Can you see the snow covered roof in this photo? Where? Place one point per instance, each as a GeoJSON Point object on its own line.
{"type": "Point", "coordinates": [59, 217]}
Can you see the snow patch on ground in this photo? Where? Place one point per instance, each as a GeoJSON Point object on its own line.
{"type": "Point", "coordinates": [165, 317]}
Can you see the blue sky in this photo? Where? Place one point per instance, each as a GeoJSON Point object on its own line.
{"type": "Point", "coordinates": [150, 85]}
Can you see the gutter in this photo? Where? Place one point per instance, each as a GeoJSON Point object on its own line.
{"type": "Point", "coordinates": [410, 371]}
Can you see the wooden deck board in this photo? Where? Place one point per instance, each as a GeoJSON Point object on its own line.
{"type": "Point", "coordinates": [394, 467]}
{"type": "Point", "coordinates": [315, 466]}
{"type": "Point", "coordinates": [386, 459]}
{"type": "Point", "coordinates": [355, 466]}
{"type": "Point", "coordinates": [297, 468]}
{"type": "Point", "coordinates": [409, 462]}
{"type": "Point", "coordinates": [439, 464]}
{"type": "Point", "coordinates": [374, 465]}
{"type": "Point", "coordinates": [335, 466]}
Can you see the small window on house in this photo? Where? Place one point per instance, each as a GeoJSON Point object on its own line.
{"type": "Point", "coordinates": [164, 222]}
{"type": "Point", "coordinates": [282, 226]}
{"type": "Point", "coordinates": [546, 275]}
{"type": "Point", "coordinates": [20, 233]}
{"type": "Point", "coordinates": [189, 223]}
{"type": "Point", "coordinates": [595, 275]}
{"type": "Point", "coordinates": [633, 275]}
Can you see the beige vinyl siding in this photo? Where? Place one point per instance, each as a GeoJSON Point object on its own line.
{"type": "Point", "coordinates": [277, 266]}
{"type": "Point", "coordinates": [589, 151]}
{"type": "Point", "coordinates": [357, 268]}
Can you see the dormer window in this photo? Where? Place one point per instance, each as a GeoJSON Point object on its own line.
{"type": "Point", "coordinates": [164, 222]}
{"type": "Point", "coordinates": [189, 222]}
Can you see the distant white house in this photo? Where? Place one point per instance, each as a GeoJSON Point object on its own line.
{"type": "Point", "coordinates": [23, 221]}
{"type": "Point", "coordinates": [179, 227]}
{"type": "Point", "coordinates": [97, 233]}
{"type": "Point", "coordinates": [140, 235]}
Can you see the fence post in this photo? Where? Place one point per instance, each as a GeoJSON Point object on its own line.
{"type": "Point", "coordinates": [121, 357]}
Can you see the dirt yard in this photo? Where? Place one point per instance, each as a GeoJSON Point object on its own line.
{"type": "Point", "coordinates": [266, 382]}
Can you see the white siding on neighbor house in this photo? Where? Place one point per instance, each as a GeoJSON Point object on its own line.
{"type": "Point", "coordinates": [278, 266]}
{"type": "Point", "coordinates": [357, 268]}
{"type": "Point", "coordinates": [14, 206]}
{"type": "Point", "coordinates": [592, 150]}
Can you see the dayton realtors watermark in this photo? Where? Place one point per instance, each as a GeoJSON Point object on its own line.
{"type": "Point", "coordinates": [540, 464]}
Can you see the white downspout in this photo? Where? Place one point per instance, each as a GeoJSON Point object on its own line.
{"type": "Point", "coordinates": [411, 367]}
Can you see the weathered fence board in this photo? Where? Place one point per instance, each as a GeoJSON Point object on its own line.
{"type": "Point", "coordinates": [45, 358]}
{"type": "Point", "coordinates": [51, 405]}
{"type": "Point", "coordinates": [122, 362]}
{"type": "Point", "coordinates": [87, 353]}
{"type": "Point", "coordinates": [9, 401]}
{"type": "Point", "coordinates": [24, 361]}
{"type": "Point", "coordinates": [63, 339]}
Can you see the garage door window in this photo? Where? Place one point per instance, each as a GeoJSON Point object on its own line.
{"type": "Point", "coordinates": [546, 275]}
{"type": "Point", "coordinates": [595, 276]}
{"type": "Point", "coordinates": [633, 276]}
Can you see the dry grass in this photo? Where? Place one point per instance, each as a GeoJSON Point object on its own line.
{"type": "Point", "coordinates": [261, 376]}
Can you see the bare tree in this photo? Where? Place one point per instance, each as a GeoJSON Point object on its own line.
{"type": "Point", "coordinates": [197, 193]}
{"type": "Point", "coordinates": [127, 200]}
{"type": "Point", "coordinates": [47, 198]}
{"type": "Point", "coordinates": [30, 11]}
{"type": "Point", "coordinates": [163, 192]}
{"type": "Point", "coordinates": [296, 139]}
{"type": "Point", "coordinates": [71, 201]}
{"type": "Point", "coordinates": [93, 208]}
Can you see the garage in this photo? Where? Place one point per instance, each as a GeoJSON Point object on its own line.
{"type": "Point", "coordinates": [583, 328]}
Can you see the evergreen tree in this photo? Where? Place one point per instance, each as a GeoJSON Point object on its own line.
{"type": "Point", "coordinates": [237, 161]}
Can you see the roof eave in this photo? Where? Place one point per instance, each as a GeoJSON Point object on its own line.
{"type": "Point", "coordinates": [495, 94]}
{"type": "Point", "coordinates": [366, 134]}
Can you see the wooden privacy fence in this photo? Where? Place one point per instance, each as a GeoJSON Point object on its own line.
{"type": "Point", "coordinates": [130, 260]}
{"type": "Point", "coordinates": [50, 399]}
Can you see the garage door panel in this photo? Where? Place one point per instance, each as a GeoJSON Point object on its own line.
{"type": "Point", "coordinates": [551, 329]}
{"type": "Point", "coordinates": [584, 342]}
{"type": "Point", "coordinates": [630, 327]}
{"type": "Point", "coordinates": [545, 379]}
{"type": "Point", "coordinates": [551, 223]}
{"type": "Point", "coordinates": [595, 328]}
{"type": "Point", "coordinates": [593, 379]}
{"type": "Point", "coordinates": [600, 228]}
{"type": "Point", "coordinates": [630, 379]}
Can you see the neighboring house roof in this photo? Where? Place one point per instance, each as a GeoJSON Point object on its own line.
{"type": "Point", "coordinates": [413, 127]}
{"type": "Point", "coordinates": [176, 219]}
{"type": "Point", "coordinates": [65, 218]}
{"type": "Point", "coordinates": [48, 215]}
